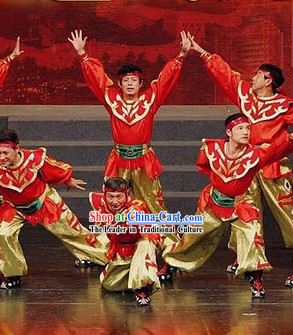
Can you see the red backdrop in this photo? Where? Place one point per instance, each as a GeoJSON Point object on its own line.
{"type": "Point", "coordinates": [146, 32]}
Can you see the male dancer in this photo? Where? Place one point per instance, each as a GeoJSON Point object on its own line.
{"type": "Point", "coordinates": [270, 113]}
{"type": "Point", "coordinates": [231, 165]}
{"type": "Point", "coordinates": [132, 117]}
{"type": "Point", "coordinates": [5, 63]}
{"type": "Point", "coordinates": [132, 256]}
{"type": "Point", "coordinates": [26, 177]}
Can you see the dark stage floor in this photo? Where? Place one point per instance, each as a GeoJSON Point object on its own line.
{"type": "Point", "coordinates": [57, 298]}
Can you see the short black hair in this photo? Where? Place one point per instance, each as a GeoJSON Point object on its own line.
{"type": "Point", "coordinates": [116, 183]}
{"type": "Point", "coordinates": [128, 68]}
{"type": "Point", "coordinates": [8, 135]}
{"type": "Point", "coordinates": [234, 117]}
{"type": "Point", "coordinates": [276, 73]}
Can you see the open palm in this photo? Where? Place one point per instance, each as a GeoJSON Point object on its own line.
{"type": "Point", "coordinates": [77, 41]}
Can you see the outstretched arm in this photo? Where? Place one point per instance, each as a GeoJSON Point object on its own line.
{"type": "Point", "coordinates": [55, 172]}
{"type": "Point", "coordinates": [92, 68]}
{"type": "Point", "coordinates": [5, 63]}
{"type": "Point", "coordinates": [169, 76]}
{"type": "Point", "coordinates": [4, 66]}
{"type": "Point", "coordinates": [280, 148]}
{"type": "Point", "coordinates": [219, 70]}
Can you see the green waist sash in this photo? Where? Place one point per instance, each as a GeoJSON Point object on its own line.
{"type": "Point", "coordinates": [30, 208]}
{"type": "Point", "coordinates": [221, 199]}
{"type": "Point", "coordinates": [131, 151]}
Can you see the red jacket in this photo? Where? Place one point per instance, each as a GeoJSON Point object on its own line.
{"type": "Point", "coordinates": [131, 123]}
{"type": "Point", "coordinates": [233, 176]}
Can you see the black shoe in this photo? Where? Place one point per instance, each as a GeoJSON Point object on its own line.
{"type": "Point", "coordinates": [9, 283]}
{"type": "Point", "coordinates": [82, 263]}
{"type": "Point", "coordinates": [289, 281]}
{"type": "Point", "coordinates": [231, 268]}
{"type": "Point", "coordinates": [142, 298]}
{"type": "Point", "coordinates": [166, 273]}
{"type": "Point", "coordinates": [257, 289]}
{"type": "Point", "coordinates": [249, 276]}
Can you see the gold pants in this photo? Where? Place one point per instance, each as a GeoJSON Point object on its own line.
{"type": "Point", "coordinates": [195, 249]}
{"type": "Point", "coordinates": [132, 273]}
{"type": "Point", "coordinates": [150, 191]}
{"type": "Point", "coordinates": [145, 188]}
{"type": "Point", "coordinates": [272, 190]}
{"type": "Point", "coordinates": [76, 238]}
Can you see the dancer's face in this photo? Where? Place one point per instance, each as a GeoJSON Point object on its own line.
{"type": "Point", "coordinates": [239, 134]}
{"type": "Point", "coordinates": [8, 156]}
{"type": "Point", "coordinates": [259, 81]}
{"type": "Point", "coordinates": [116, 200]}
{"type": "Point", "coordinates": [130, 86]}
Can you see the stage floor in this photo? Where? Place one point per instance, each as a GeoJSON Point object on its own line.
{"type": "Point", "coordinates": [57, 298]}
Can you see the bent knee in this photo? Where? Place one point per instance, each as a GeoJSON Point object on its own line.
{"type": "Point", "coordinates": [6, 233]}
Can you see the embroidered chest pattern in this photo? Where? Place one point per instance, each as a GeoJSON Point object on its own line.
{"type": "Point", "coordinates": [130, 113]}
{"type": "Point", "coordinates": [230, 169]}
{"type": "Point", "coordinates": [20, 178]}
{"type": "Point", "coordinates": [259, 111]}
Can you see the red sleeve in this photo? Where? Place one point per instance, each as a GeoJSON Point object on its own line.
{"type": "Point", "coordinates": [279, 149]}
{"type": "Point", "coordinates": [221, 73]}
{"type": "Point", "coordinates": [4, 66]}
{"type": "Point", "coordinates": [166, 81]}
{"type": "Point", "coordinates": [55, 172]}
{"type": "Point", "coordinates": [202, 162]}
{"type": "Point", "coordinates": [289, 116]}
{"type": "Point", "coordinates": [95, 76]}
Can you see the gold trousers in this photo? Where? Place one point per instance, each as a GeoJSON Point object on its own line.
{"type": "Point", "coordinates": [76, 238]}
{"type": "Point", "coordinates": [279, 196]}
{"type": "Point", "coordinates": [195, 249]}
{"type": "Point", "coordinates": [132, 273]}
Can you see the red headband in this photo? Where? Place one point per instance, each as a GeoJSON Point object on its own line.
{"type": "Point", "coordinates": [134, 73]}
{"type": "Point", "coordinates": [234, 123]}
{"type": "Point", "coordinates": [8, 144]}
{"type": "Point", "coordinates": [109, 189]}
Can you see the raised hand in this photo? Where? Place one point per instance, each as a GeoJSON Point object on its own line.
{"type": "Point", "coordinates": [194, 45]}
{"type": "Point", "coordinates": [16, 52]}
{"type": "Point", "coordinates": [77, 41]}
{"type": "Point", "coordinates": [185, 44]}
